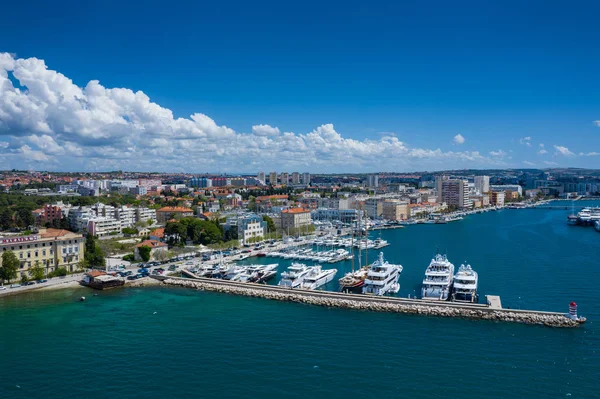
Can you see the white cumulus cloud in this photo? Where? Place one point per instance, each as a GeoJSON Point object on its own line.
{"type": "Point", "coordinates": [48, 120]}
{"type": "Point", "coordinates": [561, 150]}
{"type": "Point", "coordinates": [458, 139]}
{"type": "Point", "coordinates": [498, 153]}
{"type": "Point", "coordinates": [265, 130]}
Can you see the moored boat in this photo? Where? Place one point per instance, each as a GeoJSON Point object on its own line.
{"type": "Point", "coordinates": [465, 283]}
{"type": "Point", "coordinates": [382, 277]}
{"type": "Point", "coordinates": [437, 283]}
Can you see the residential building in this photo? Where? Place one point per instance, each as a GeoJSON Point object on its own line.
{"type": "Point", "coordinates": [49, 214]}
{"type": "Point", "coordinates": [261, 177]}
{"type": "Point", "coordinates": [169, 212]}
{"type": "Point", "coordinates": [482, 184]}
{"type": "Point", "coordinates": [157, 234]}
{"type": "Point", "coordinates": [273, 178]}
{"type": "Point", "coordinates": [126, 215]}
{"type": "Point", "coordinates": [139, 190]}
{"type": "Point", "coordinates": [284, 178]}
{"type": "Point", "coordinates": [145, 215]}
{"type": "Point", "coordinates": [507, 187]}
{"type": "Point", "coordinates": [497, 198]}
{"type": "Point", "coordinates": [372, 181]}
{"type": "Point", "coordinates": [343, 215]}
{"type": "Point", "coordinates": [237, 181]}
{"type": "Point", "coordinates": [374, 208]}
{"type": "Point", "coordinates": [295, 178]}
{"type": "Point", "coordinates": [154, 246]}
{"type": "Point", "coordinates": [295, 218]}
{"type": "Point", "coordinates": [306, 178]}
{"type": "Point", "coordinates": [220, 181]}
{"type": "Point", "coordinates": [395, 210]}
{"type": "Point", "coordinates": [202, 182]}
{"type": "Point", "coordinates": [250, 227]}
{"type": "Point", "coordinates": [50, 248]}
{"type": "Point", "coordinates": [103, 226]}
{"type": "Point", "coordinates": [455, 192]}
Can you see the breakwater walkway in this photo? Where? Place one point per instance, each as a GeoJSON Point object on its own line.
{"type": "Point", "coordinates": [372, 303]}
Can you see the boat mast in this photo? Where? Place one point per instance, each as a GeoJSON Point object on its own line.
{"type": "Point", "coordinates": [366, 240]}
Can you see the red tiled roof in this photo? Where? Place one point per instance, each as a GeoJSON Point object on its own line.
{"type": "Point", "coordinates": [158, 233]}
{"type": "Point", "coordinates": [295, 210]}
{"type": "Point", "coordinates": [174, 209]}
{"type": "Point", "coordinates": [151, 244]}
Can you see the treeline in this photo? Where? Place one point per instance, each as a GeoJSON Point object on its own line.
{"type": "Point", "coordinates": [196, 230]}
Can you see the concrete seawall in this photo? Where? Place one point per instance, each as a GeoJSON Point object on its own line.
{"type": "Point", "coordinates": [371, 303]}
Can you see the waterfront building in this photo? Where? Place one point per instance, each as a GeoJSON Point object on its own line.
{"type": "Point", "coordinates": [295, 178]}
{"type": "Point", "coordinates": [49, 248]}
{"type": "Point", "coordinates": [248, 226]}
{"type": "Point", "coordinates": [343, 215]}
{"type": "Point", "coordinates": [482, 184]}
{"type": "Point", "coordinates": [395, 210]}
{"type": "Point", "coordinates": [295, 218]}
{"type": "Point", "coordinates": [374, 208]}
{"type": "Point", "coordinates": [170, 212]}
{"type": "Point", "coordinates": [507, 187]}
{"type": "Point", "coordinates": [497, 198]}
{"type": "Point", "coordinates": [154, 246]}
{"type": "Point", "coordinates": [455, 192]}
{"type": "Point", "coordinates": [511, 195]}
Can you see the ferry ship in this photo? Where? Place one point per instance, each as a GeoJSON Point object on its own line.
{"type": "Point", "coordinates": [294, 276]}
{"type": "Point", "coordinates": [437, 283]}
{"type": "Point", "coordinates": [317, 277]}
{"type": "Point", "coordinates": [465, 285]}
{"type": "Point", "coordinates": [382, 277]}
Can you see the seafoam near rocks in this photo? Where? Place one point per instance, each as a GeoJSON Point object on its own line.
{"type": "Point", "coordinates": [313, 298]}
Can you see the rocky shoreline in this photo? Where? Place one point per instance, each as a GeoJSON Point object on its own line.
{"type": "Point", "coordinates": [546, 319]}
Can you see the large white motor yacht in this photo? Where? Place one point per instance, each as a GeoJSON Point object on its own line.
{"type": "Point", "coordinates": [437, 283]}
{"type": "Point", "coordinates": [382, 277]}
{"type": "Point", "coordinates": [465, 285]}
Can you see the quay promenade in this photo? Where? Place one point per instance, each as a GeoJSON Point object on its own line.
{"type": "Point", "coordinates": [374, 303]}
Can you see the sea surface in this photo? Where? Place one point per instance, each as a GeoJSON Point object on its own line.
{"type": "Point", "coordinates": [177, 343]}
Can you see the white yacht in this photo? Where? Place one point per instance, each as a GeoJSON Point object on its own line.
{"type": "Point", "coordinates": [294, 276]}
{"type": "Point", "coordinates": [465, 285]}
{"type": "Point", "coordinates": [317, 277]}
{"type": "Point", "coordinates": [438, 279]}
{"type": "Point", "coordinates": [382, 278]}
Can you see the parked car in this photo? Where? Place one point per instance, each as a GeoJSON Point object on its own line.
{"type": "Point", "coordinates": [132, 277]}
{"type": "Point", "coordinates": [15, 285]}
{"type": "Point", "coordinates": [128, 273]}
{"type": "Point", "coordinates": [2, 288]}
{"type": "Point", "coordinates": [30, 283]}
{"type": "Point", "coordinates": [42, 281]}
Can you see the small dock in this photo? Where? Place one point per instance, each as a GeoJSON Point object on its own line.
{"type": "Point", "coordinates": [493, 301]}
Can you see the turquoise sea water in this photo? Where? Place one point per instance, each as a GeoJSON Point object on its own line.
{"type": "Point", "coordinates": [200, 344]}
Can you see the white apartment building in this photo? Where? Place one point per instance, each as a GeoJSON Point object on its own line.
{"type": "Point", "coordinates": [306, 178]}
{"type": "Point", "coordinates": [103, 226]}
{"type": "Point", "coordinates": [456, 192]}
{"type": "Point", "coordinates": [482, 184]}
{"type": "Point", "coordinates": [295, 178]}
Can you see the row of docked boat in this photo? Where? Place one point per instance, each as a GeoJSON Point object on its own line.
{"type": "Point", "coordinates": [299, 275]}
{"type": "Point", "coordinates": [332, 256]}
{"type": "Point", "coordinates": [441, 284]}
{"type": "Point", "coordinates": [350, 242]}
{"type": "Point", "coordinates": [232, 272]}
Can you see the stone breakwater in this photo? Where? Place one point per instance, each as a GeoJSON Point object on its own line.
{"type": "Point", "coordinates": [337, 300]}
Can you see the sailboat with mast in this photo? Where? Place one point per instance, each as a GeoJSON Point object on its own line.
{"type": "Point", "coordinates": [572, 219]}
{"type": "Point", "coordinates": [353, 281]}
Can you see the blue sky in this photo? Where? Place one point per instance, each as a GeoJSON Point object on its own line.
{"type": "Point", "coordinates": [358, 86]}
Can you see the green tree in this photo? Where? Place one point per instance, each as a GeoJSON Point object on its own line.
{"type": "Point", "coordinates": [94, 256]}
{"type": "Point", "coordinates": [9, 267]}
{"type": "Point", "coordinates": [37, 271]}
{"type": "Point", "coordinates": [270, 223]}
{"type": "Point", "coordinates": [144, 252]}
{"type": "Point", "coordinates": [6, 220]}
